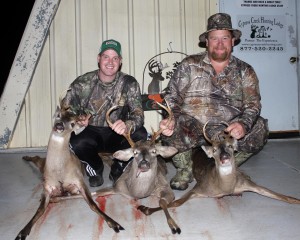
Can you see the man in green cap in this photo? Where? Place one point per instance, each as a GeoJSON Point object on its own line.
{"type": "Point", "coordinates": [214, 87]}
{"type": "Point", "coordinates": [90, 96]}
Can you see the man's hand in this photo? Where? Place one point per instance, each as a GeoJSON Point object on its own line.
{"type": "Point", "coordinates": [236, 130]}
{"type": "Point", "coordinates": [168, 130]}
{"type": "Point", "coordinates": [84, 120]}
{"type": "Point", "coordinates": [119, 127]}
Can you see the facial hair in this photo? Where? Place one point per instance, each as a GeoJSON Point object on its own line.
{"type": "Point", "coordinates": [219, 57]}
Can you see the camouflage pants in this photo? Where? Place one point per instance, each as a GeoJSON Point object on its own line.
{"type": "Point", "coordinates": [188, 134]}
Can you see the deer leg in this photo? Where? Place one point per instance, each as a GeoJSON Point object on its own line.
{"type": "Point", "coordinates": [172, 224]}
{"type": "Point", "coordinates": [64, 198]}
{"type": "Point", "coordinates": [104, 192]}
{"type": "Point", "coordinates": [253, 187]}
{"type": "Point", "coordinates": [99, 193]}
{"type": "Point", "coordinates": [165, 197]}
{"type": "Point", "coordinates": [189, 195]}
{"type": "Point", "coordinates": [88, 198]}
{"type": "Point", "coordinates": [37, 161]}
{"type": "Point", "coordinates": [162, 206]}
{"type": "Point", "coordinates": [40, 211]}
{"type": "Point", "coordinates": [176, 203]}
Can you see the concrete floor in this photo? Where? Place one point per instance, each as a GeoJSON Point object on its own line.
{"type": "Point", "coordinates": [251, 216]}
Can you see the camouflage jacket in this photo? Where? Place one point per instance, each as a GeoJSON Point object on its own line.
{"type": "Point", "coordinates": [196, 90]}
{"type": "Point", "coordinates": [88, 94]}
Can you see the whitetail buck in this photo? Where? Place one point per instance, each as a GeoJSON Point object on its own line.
{"type": "Point", "coordinates": [221, 177]}
{"type": "Point", "coordinates": [62, 172]}
{"type": "Point", "coordinates": [153, 86]}
{"type": "Point", "coordinates": [145, 175]}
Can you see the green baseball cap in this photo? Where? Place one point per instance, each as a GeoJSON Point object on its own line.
{"type": "Point", "coordinates": [111, 44]}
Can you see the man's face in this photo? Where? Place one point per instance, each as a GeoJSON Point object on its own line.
{"type": "Point", "coordinates": [109, 63]}
{"type": "Point", "coordinates": [219, 45]}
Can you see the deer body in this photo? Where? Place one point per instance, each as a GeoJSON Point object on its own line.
{"type": "Point", "coordinates": [145, 175]}
{"type": "Point", "coordinates": [213, 180]}
{"type": "Point", "coordinates": [62, 172]}
{"type": "Point", "coordinates": [229, 180]}
{"type": "Point", "coordinates": [137, 184]}
{"type": "Point", "coordinates": [217, 175]}
{"type": "Point", "coordinates": [59, 158]}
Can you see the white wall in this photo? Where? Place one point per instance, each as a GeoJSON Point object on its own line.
{"type": "Point", "coordinates": [144, 28]}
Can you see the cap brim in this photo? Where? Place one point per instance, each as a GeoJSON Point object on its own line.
{"type": "Point", "coordinates": [120, 55]}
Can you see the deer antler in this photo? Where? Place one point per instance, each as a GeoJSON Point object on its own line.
{"type": "Point", "coordinates": [62, 95]}
{"type": "Point", "coordinates": [204, 133]}
{"type": "Point", "coordinates": [152, 64]}
{"type": "Point", "coordinates": [216, 135]}
{"type": "Point", "coordinates": [126, 135]}
{"type": "Point", "coordinates": [168, 109]}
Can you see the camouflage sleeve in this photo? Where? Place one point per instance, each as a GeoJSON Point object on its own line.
{"type": "Point", "coordinates": [176, 89]}
{"type": "Point", "coordinates": [71, 99]}
{"type": "Point", "coordinates": [136, 113]}
{"type": "Point", "coordinates": [77, 96]}
{"type": "Point", "coordinates": [251, 98]}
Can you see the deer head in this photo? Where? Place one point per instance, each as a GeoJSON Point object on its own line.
{"type": "Point", "coordinates": [65, 121]}
{"type": "Point", "coordinates": [222, 150]}
{"type": "Point", "coordinates": [144, 153]}
{"type": "Point", "coordinates": [156, 75]}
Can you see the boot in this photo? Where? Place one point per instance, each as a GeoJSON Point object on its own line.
{"type": "Point", "coordinates": [241, 157]}
{"type": "Point", "coordinates": [117, 169]}
{"type": "Point", "coordinates": [97, 180]}
{"type": "Point", "coordinates": [184, 176]}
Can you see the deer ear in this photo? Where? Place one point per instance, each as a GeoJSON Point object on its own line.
{"type": "Point", "coordinates": [165, 151]}
{"type": "Point", "coordinates": [208, 150]}
{"type": "Point", "coordinates": [57, 112]}
{"type": "Point", "coordinates": [123, 155]}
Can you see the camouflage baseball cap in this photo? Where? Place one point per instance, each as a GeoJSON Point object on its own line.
{"type": "Point", "coordinates": [219, 21]}
{"type": "Point", "coordinates": [111, 44]}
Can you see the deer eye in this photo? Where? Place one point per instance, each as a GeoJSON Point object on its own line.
{"type": "Point", "coordinates": [135, 152]}
{"type": "Point", "coordinates": [154, 151]}
{"type": "Point", "coordinates": [72, 125]}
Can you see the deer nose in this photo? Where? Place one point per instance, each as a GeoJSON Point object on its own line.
{"type": "Point", "coordinates": [59, 126]}
{"type": "Point", "coordinates": [224, 156]}
{"type": "Point", "coordinates": [144, 164]}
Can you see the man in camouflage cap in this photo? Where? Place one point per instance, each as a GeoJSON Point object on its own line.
{"type": "Point", "coordinates": [90, 96]}
{"type": "Point", "coordinates": [214, 87]}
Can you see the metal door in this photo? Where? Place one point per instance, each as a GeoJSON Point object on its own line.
{"type": "Point", "coordinates": [269, 43]}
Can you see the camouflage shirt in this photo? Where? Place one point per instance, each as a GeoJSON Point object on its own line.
{"type": "Point", "coordinates": [88, 94]}
{"type": "Point", "coordinates": [198, 91]}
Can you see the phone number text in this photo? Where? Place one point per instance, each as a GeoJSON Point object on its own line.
{"type": "Point", "coordinates": [261, 49]}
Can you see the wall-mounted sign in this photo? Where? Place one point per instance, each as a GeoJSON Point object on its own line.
{"type": "Point", "coordinates": [262, 4]}
{"type": "Point", "coordinates": [262, 33]}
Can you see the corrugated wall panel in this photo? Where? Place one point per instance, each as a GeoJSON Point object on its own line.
{"type": "Point", "coordinates": [89, 38]}
{"type": "Point", "coordinates": [64, 49]}
{"type": "Point", "coordinates": [145, 28]}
